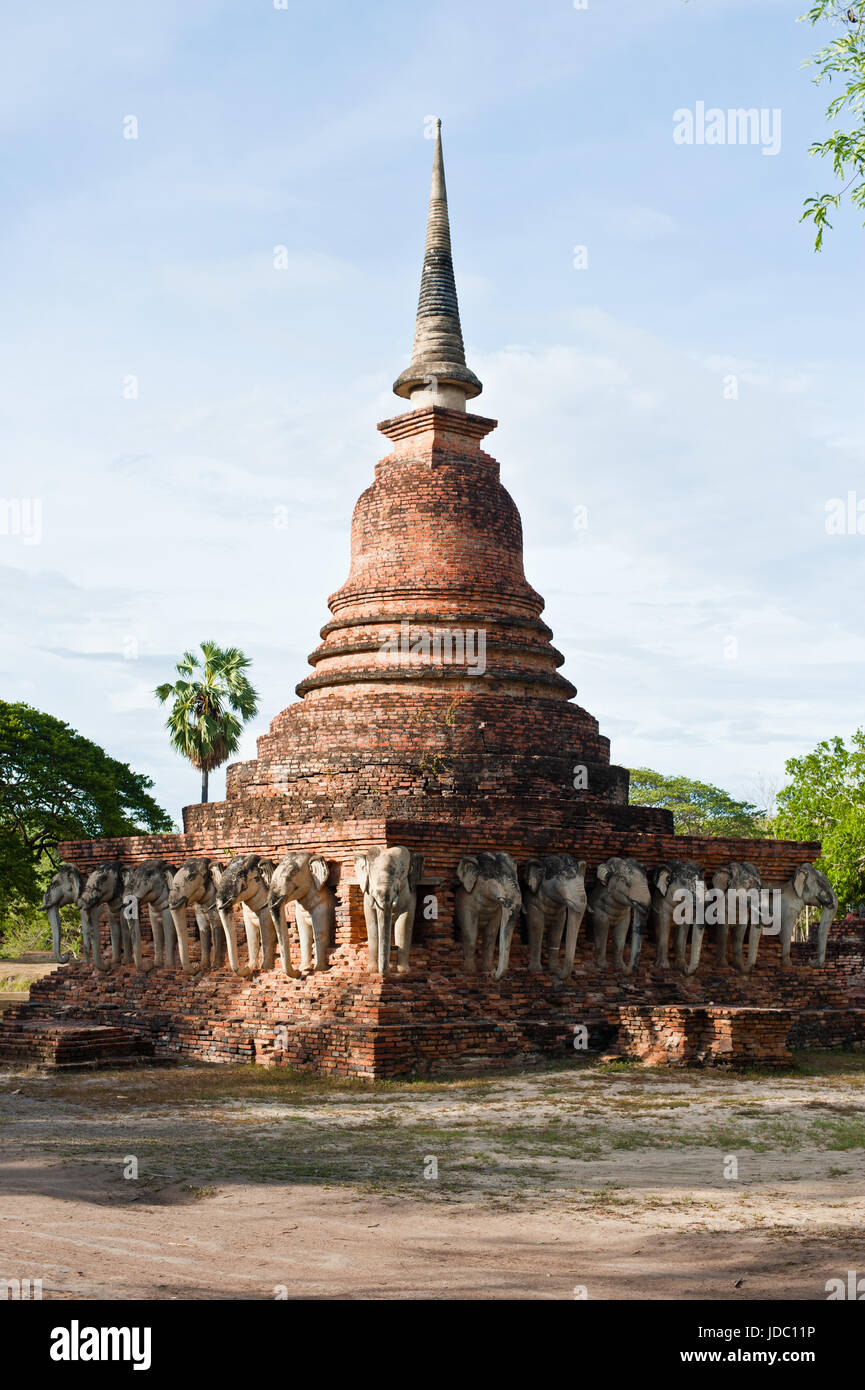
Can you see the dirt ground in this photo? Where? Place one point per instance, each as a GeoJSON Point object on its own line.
{"type": "Point", "coordinates": [614, 1180]}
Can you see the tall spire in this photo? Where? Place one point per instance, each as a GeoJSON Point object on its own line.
{"type": "Point", "coordinates": [437, 373]}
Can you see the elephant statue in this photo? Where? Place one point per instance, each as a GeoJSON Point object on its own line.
{"type": "Point", "coordinates": [64, 890]}
{"type": "Point", "coordinates": [246, 880]}
{"type": "Point", "coordinates": [670, 907]}
{"type": "Point", "coordinates": [389, 880]}
{"type": "Point", "coordinates": [195, 885]}
{"type": "Point", "coordinates": [302, 879]}
{"type": "Point", "coordinates": [807, 888]}
{"type": "Point", "coordinates": [554, 897]}
{"type": "Point", "coordinates": [104, 888]}
{"type": "Point", "coordinates": [740, 882]}
{"type": "Point", "coordinates": [619, 900]}
{"type": "Point", "coordinates": [488, 901]}
{"type": "Point", "coordinates": [149, 884]}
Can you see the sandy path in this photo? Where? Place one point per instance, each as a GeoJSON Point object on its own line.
{"type": "Point", "coordinates": [517, 1211]}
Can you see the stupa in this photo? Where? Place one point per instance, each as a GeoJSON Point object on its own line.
{"type": "Point", "coordinates": [436, 717]}
{"type": "Point", "coordinates": [436, 684]}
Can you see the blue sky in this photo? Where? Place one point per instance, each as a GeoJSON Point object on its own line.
{"type": "Point", "coordinates": [708, 620]}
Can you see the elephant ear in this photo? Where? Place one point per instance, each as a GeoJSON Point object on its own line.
{"type": "Point", "coordinates": [581, 867]}
{"type": "Point", "coordinates": [602, 872]}
{"type": "Point", "coordinates": [800, 878]}
{"type": "Point", "coordinates": [662, 878]}
{"type": "Point", "coordinates": [319, 869]}
{"type": "Point", "coordinates": [361, 870]}
{"type": "Point", "coordinates": [534, 875]}
{"type": "Point", "coordinates": [266, 868]}
{"type": "Point", "coordinates": [467, 872]}
{"type": "Point", "coordinates": [415, 873]}
{"type": "Point", "coordinates": [721, 879]}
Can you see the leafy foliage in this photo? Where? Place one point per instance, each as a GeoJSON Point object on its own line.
{"type": "Point", "coordinates": [825, 800]}
{"type": "Point", "coordinates": [212, 701]}
{"type": "Point", "coordinates": [843, 58]}
{"type": "Point", "coordinates": [57, 785]}
{"type": "Point", "coordinates": [698, 808]}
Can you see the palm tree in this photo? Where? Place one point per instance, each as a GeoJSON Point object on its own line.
{"type": "Point", "coordinates": [212, 701]}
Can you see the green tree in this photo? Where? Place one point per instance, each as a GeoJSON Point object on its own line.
{"type": "Point", "coordinates": [697, 807]}
{"type": "Point", "coordinates": [843, 58]}
{"type": "Point", "coordinates": [212, 701]}
{"type": "Point", "coordinates": [825, 800]}
{"type": "Point", "coordinates": [57, 785]}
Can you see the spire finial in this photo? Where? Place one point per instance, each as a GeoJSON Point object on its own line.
{"type": "Point", "coordinates": [437, 374]}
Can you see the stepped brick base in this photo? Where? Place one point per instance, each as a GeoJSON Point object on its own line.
{"type": "Point", "coordinates": [28, 1040]}
{"type": "Point", "coordinates": [346, 1022]}
{"type": "Point", "coordinates": [686, 1035]}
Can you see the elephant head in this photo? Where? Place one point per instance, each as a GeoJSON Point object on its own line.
{"type": "Point", "coordinates": [388, 879]}
{"type": "Point", "coordinates": [674, 897]}
{"type": "Point", "coordinates": [810, 888]}
{"type": "Point", "coordinates": [103, 888]}
{"type": "Point", "coordinates": [194, 886]}
{"type": "Point", "coordinates": [149, 885]}
{"type": "Point", "coordinates": [488, 900]}
{"type": "Point", "coordinates": [742, 885]}
{"type": "Point", "coordinates": [64, 890]}
{"type": "Point", "coordinates": [554, 896]}
{"type": "Point", "coordinates": [246, 880]}
{"type": "Point", "coordinates": [620, 899]}
{"type": "Point", "coordinates": [301, 878]}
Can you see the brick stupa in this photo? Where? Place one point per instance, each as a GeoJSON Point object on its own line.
{"type": "Point", "coordinates": [436, 717]}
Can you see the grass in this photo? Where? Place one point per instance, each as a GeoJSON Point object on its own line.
{"type": "Point", "coordinates": [519, 1138]}
{"type": "Point", "coordinates": [27, 929]}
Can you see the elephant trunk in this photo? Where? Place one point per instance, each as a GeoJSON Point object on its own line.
{"type": "Point", "coordinates": [753, 946]}
{"type": "Point", "coordinates": [61, 957]}
{"type": "Point", "coordinates": [132, 913]}
{"type": "Point", "coordinates": [178, 918]}
{"type": "Point", "coordinates": [505, 932]}
{"type": "Point", "coordinates": [96, 946]}
{"type": "Point", "coordinates": [572, 928]}
{"type": "Point", "coordinates": [640, 914]}
{"type": "Point", "coordinates": [226, 917]}
{"type": "Point", "coordinates": [385, 938]}
{"type": "Point", "coordinates": [276, 908]}
{"type": "Point", "coordinates": [827, 916]}
{"type": "Point", "coordinates": [696, 947]}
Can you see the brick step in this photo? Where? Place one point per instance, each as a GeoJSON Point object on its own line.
{"type": "Point", "coordinates": [51, 1043]}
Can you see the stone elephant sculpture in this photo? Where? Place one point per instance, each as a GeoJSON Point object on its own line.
{"type": "Point", "coordinates": [807, 888]}
{"type": "Point", "coordinates": [554, 899]}
{"type": "Point", "coordinates": [195, 885]}
{"type": "Point", "coordinates": [388, 879]}
{"type": "Point", "coordinates": [619, 901]}
{"type": "Point", "coordinates": [676, 887]}
{"type": "Point", "coordinates": [741, 884]}
{"type": "Point", "coordinates": [487, 903]}
{"type": "Point", "coordinates": [302, 879]}
{"type": "Point", "coordinates": [64, 890]}
{"type": "Point", "coordinates": [149, 885]}
{"type": "Point", "coordinates": [104, 888]}
{"type": "Point", "coordinates": [246, 880]}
